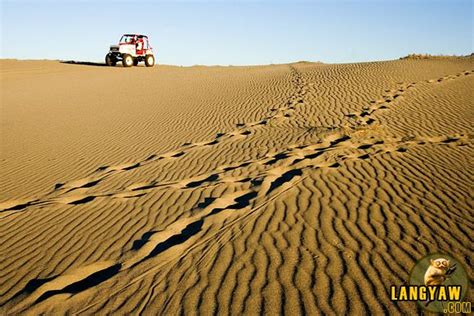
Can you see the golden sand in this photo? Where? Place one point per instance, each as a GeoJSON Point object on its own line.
{"type": "Point", "coordinates": [301, 188]}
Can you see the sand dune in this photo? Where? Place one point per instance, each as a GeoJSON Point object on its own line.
{"type": "Point", "coordinates": [301, 188]}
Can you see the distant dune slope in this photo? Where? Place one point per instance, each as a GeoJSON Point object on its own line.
{"type": "Point", "coordinates": [301, 188]}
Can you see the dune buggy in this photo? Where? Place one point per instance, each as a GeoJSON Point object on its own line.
{"type": "Point", "coordinates": [132, 49]}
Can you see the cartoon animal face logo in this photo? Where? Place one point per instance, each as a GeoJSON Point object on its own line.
{"type": "Point", "coordinates": [435, 272]}
{"type": "Point", "coordinates": [440, 263]}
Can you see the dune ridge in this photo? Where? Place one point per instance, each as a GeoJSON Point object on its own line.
{"type": "Point", "coordinates": [300, 188]}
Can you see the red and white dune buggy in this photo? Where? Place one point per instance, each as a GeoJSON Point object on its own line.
{"type": "Point", "coordinates": [132, 49]}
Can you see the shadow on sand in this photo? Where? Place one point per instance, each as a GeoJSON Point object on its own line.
{"type": "Point", "coordinates": [86, 63]}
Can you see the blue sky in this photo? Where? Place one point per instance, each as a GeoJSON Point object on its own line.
{"type": "Point", "coordinates": [238, 32]}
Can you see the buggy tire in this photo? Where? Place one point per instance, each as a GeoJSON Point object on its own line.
{"type": "Point", "coordinates": [135, 61]}
{"type": "Point", "coordinates": [110, 61]}
{"type": "Point", "coordinates": [149, 60]}
{"type": "Point", "coordinates": [127, 60]}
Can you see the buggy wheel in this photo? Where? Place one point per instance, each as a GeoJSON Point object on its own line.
{"type": "Point", "coordinates": [135, 61]}
{"type": "Point", "coordinates": [109, 60]}
{"type": "Point", "coordinates": [149, 60]}
{"type": "Point", "coordinates": [127, 60]}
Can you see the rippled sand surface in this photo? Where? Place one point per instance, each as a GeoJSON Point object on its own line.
{"type": "Point", "coordinates": [300, 188]}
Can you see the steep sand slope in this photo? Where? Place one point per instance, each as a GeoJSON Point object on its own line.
{"type": "Point", "coordinates": [289, 188]}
